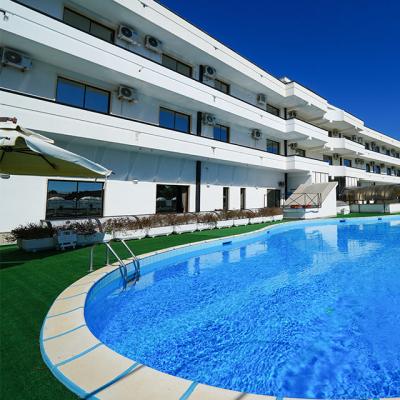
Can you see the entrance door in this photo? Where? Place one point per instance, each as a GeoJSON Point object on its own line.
{"type": "Point", "coordinates": [273, 198]}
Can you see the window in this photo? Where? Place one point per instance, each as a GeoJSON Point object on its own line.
{"type": "Point", "coordinates": [377, 169]}
{"type": "Point", "coordinates": [273, 198]}
{"type": "Point", "coordinates": [273, 110]}
{"type": "Point", "coordinates": [174, 120]}
{"type": "Point", "coordinates": [367, 146]}
{"type": "Point", "coordinates": [225, 198]}
{"type": "Point", "coordinates": [346, 162]}
{"type": "Point", "coordinates": [221, 133]}
{"type": "Point", "coordinates": [172, 199]}
{"type": "Point", "coordinates": [397, 155]}
{"type": "Point", "coordinates": [389, 171]}
{"type": "Point", "coordinates": [176, 65]}
{"type": "Point", "coordinates": [221, 86]}
{"type": "Point", "coordinates": [388, 152]}
{"type": "Point", "coordinates": [328, 159]}
{"type": "Point", "coordinates": [367, 168]}
{"type": "Point", "coordinates": [300, 152]}
{"type": "Point", "coordinates": [82, 96]}
{"type": "Point", "coordinates": [71, 199]}
{"type": "Point", "coordinates": [377, 149]}
{"type": "Point", "coordinates": [242, 198]}
{"type": "Point", "coordinates": [273, 147]}
{"type": "Point", "coordinates": [88, 25]}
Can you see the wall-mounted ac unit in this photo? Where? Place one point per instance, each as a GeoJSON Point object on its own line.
{"type": "Point", "coordinates": [15, 59]}
{"type": "Point", "coordinates": [128, 34]}
{"type": "Point", "coordinates": [209, 119]}
{"type": "Point", "coordinates": [293, 146]}
{"type": "Point", "coordinates": [281, 183]}
{"type": "Point", "coordinates": [209, 71]}
{"type": "Point", "coordinates": [335, 156]}
{"type": "Point", "coordinates": [256, 134]}
{"type": "Point", "coordinates": [127, 93]}
{"type": "Point", "coordinates": [292, 114]}
{"type": "Point", "coordinates": [153, 44]}
{"type": "Point", "coordinates": [262, 99]}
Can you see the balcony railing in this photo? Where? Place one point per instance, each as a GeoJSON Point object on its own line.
{"type": "Point", "coordinates": [304, 200]}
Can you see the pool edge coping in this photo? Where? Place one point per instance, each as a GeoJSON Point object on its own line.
{"type": "Point", "coordinates": [183, 388]}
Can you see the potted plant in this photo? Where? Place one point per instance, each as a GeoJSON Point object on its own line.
{"type": "Point", "coordinates": [225, 220]}
{"type": "Point", "coordinates": [184, 223]}
{"type": "Point", "coordinates": [33, 237]}
{"type": "Point", "coordinates": [125, 228]}
{"type": "Point", "coordinates": [206, 221]}
{"type": "Point", "coordinates": [86, 233]}
{"type": "Point", "coordinates": [240, 217]}
{"type": "Point", "coordinates": [158, 225]}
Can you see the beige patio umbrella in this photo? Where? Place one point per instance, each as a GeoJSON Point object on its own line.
{"type": "Point", "coordinates": [23, 152]}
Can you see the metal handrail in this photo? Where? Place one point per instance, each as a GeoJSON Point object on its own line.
{"type": "Point", "coordinates": [122, 266]}
{"type": "Point", "coordinates": [136, 262]}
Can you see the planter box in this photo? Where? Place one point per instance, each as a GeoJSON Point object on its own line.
{"type": "Point", "coordinates": [36, 244]}
{"type": "Point", "coordinates": [201, 226]}
{"type": "Point", "coordinates": [277, 217]}
{"type": "Point", "coordinates": [225, 223]}
{"type": "Point", "coordinates": [241, 221]}
{"type": "Point", "coordinates": [160, 231]}
{"type": "Point", "coordinates": [185, 228]}
{"type": "Point", "coordinates": [258, 220]}
{"type": "Point", "coordinates": [131, 234]}
{"type": "Point", "coordinates": [86, 240]}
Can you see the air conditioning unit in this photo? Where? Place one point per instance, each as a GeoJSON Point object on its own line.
{"type": "Point", "coordinates": [209, 71]}
{"type": "Point", "coordinates": [256, 134]}
{"type": "Point", "coordinates": [293, 146]}
{"type": "Point", "coordinates": [262, 99]}
{"type": "Point", "coordinates": [292, 114]}
{"type": "Point", "coordinates": [12, 58]}
{"type": "Point", "coordinates": [209, 119]}
{"type": "Point", "coordinates": [128, 34]}
{"type": "Point", "coordinates": [127, 93]}
{"type": "Point", "coordinates": [335, 156]}
{"type": "Point", "coordinates": [153, 44]}
{"type": "Point", "coordinates": [281, 183]}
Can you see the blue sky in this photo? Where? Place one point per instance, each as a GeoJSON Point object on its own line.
{"type": "Point", "coordinates": [348, 51]}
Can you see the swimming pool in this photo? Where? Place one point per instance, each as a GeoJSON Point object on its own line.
{"type": "Point", "coordinates": [307, 309]}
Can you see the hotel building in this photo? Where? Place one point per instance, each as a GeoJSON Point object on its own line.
{"type": "Point", "coordinates": [184, 122]}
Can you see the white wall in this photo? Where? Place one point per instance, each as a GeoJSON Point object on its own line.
{"type": "Point", "coordinates": [22, 200]}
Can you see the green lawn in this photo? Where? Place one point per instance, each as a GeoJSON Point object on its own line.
{"type": "Point", "coordinates": [28, 285]}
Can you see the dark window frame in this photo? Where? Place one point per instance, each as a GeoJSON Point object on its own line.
{"type": "Point", "coordinates": [273, 110]}
{"type": "Point", "coordinates": [275, 143]}
{"type": "Point", "coordinates": [222, 83]}
{"type": "Point", "coordinates": [77, 182]}
{"type": "Point", "coordinates": [225, 195]}
{"type": "Point", "coordinates": [328, 159]}
{"type": "Point", "coordinates": [85, 85]}
{"type": "Point", "coordinates": [243, 198]}
{"type": "Point", "coordinates": [91, 21]}
{"type": "Point", "coordinates": [301, 151]}
{"type": "Point", "coordinates": [177, 62]}
{"type": "Point", "coordinates": [228, 133]}
{"type": "Point", "coordinates": [179, 190]}
{"type": "Point", "coordinates": [175, 112]}
{"type": "Point", "coordinates": [348, 162]}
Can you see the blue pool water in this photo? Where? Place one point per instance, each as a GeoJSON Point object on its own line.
{"type": "Point", "coordinates": [308, 310]}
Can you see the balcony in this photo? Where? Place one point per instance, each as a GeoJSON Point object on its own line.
{"type": "Point", "coordinates": [339, 171]}
{"type": "Point", "coordinates": [65, 47]}
{"type": "Point", "coordinates": [344, 146]}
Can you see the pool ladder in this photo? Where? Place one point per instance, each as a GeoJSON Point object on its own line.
{"type": "Point", "coordinates": [122, 266]}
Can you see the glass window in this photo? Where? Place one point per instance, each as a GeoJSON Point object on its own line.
{"type": "Point", "coordinates": [96, 99]}
{"type": "Point", "coordinates": [71, 199]}
{"type": "Point", "coordinates": [328, 159]}
{"type": "Point", "coordinates": [174, 120]}
{"type": "Point", "coordinates": [273, 110]}
{"type": "Point", "coordinates": [221, 86]}
{"type": "Point", "coordinates": [172, 199]}
{"type": "Point", "coordinates": [221, 133]}
{"type": "Point", "coordinates": [88, 25]}
{"type": "Point", "coordinates": [242, 198]}
{"type": "Point", "coordinates": [367, 146]}
{"type": "Point", "coordinates": [225, 198]}
{"type": "Point", "coordinates": [397, 155]}
{"type": "Point", "coordinates": [367, 168]}
{"type": "Point", "coordinates": [71, 93]}
{"type": "Point", "coordinates": [176, 65]}
{"type": "Point", "coordinates": [389, 171]}
{"type": "Point", "coordinates": [377, 169]}
{"type": "Point", "coordinates": [300, 152]}
{"type": "Point", "coordinates": [388, 152]}
{"type": "Point", "coordinates": [346, 162]}
{"type": "Point", "coordinates": [83, 96]}
{"type": "Point", "coordinates": [273, 147]}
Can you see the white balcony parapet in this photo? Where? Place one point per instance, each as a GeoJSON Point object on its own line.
{"type": "Point", "coordinates": [342, 171]}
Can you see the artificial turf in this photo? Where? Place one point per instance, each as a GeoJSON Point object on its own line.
{"type": "Point", "coordinates": [29, 283]}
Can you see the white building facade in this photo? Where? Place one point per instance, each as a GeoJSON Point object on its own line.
{"type": "Point", "coordinates": [185, 123]}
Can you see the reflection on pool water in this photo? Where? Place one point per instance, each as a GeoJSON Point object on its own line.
{"type": "Point", "coordinates": [307, 310]}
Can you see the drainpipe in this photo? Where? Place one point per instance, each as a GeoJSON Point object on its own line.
{"type": "Point", "coordinates": [198, 186]}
